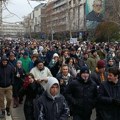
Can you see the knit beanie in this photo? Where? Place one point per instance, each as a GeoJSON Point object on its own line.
{"type": "Point", "coordinates": [55, 55]}
{"type": "Point", "coordinates": [84, 69]}
{"type": "Point", "coordinates": [101, 64]}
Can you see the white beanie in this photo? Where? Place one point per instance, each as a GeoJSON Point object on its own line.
{"type": "Point", "coordinates": [55, 55]}
{"type": "Point", "coordinates": [19, 62]}
{"type": "Point", "coordinates": [35, 51]}
{"type": "Point", "coordinates": [79, 48]}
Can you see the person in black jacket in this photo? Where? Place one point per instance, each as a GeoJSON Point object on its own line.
{"type": "Point", "coordinates": [54, 64]}
{"type": "Point", "coordinates": [18, 82]}
{"type": "Point", "coordinates": [81, 95]}
{"type": "Point", "coordinates": [6, 82]}
{"type": "Point", "coordinates": [99, 75]}
{"type": "Point", "coordinates": [109, 97]}
{"type": "Point", "coordinates": [52, 105]}
{"type": "Point", "coordinates": [64, 77]}
{"type": "Point", "coordinates": [31, 89]}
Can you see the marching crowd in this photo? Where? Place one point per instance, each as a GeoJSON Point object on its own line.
{"type": "Point", "coordinates": [60, 80]}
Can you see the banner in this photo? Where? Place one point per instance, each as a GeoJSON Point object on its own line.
{"type": "Point", "coordinates": [73, 40]}
{"type": "Point", "coordinates": [95, 10]}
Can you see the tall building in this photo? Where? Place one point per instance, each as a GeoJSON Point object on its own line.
{"type": "Point", "coordinates": [65, 15]}
{"type": "Point", "coordinates": [14, 29]}
{"type": "Point", "coordinates": [58, 16]}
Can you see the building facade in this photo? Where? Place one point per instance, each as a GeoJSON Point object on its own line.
{"type": "Point", "coordinates": [57, 16]}
{"type": "Point", "coordinates": [14, 29]}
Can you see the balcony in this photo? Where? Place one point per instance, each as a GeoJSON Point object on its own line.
{"type": "Point", "coordinates": [59, 4]}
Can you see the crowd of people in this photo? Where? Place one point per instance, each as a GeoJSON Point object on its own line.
{"type": "Point", "coordinates": [60, 80]}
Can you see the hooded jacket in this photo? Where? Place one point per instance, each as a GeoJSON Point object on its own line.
{"type": "Point", "coordinates": [6, 75]}
{"type": "Point", "coordinates": [49, 107]}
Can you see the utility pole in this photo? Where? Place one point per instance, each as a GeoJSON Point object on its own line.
{"type": "Point", "coordinates": [0, 17]}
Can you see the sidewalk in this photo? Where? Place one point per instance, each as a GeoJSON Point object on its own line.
{"type": "Point", "coordinates": [17, 113]}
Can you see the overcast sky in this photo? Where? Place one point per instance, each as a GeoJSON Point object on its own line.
{"type": "Point", "coordinates": [20, 8]}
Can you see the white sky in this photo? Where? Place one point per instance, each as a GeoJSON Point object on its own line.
{"type": "Point", "coordinates": [20, 8]}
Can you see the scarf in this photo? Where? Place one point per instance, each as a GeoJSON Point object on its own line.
{"type": "Point", "coordinates": [102, 77]}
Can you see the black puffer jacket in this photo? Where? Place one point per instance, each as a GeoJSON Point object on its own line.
{"type": "Point", "coordinates": [6, 75]}
{"type": "Point", "coordinates": [49, 109]}
{"type": "Point", "coordinates": [107, 109]}
{"type": "Point", "coordinates": [81, 97]}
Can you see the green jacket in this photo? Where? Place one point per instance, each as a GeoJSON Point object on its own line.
{"type": "Point", "coordinates": [92, 62]}
{"type": "Point", "coordinates": [25, 63]}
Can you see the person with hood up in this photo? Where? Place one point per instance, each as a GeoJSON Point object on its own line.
{"type": "Point", "coordinates": [81, 95]}
{"type": "Point", "coordinates": [51, 105]}
{"type": "Point", "coordinates": [6, 82]}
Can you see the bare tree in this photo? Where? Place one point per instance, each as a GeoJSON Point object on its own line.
{"type": "Point", "coordinates": [113, 11]}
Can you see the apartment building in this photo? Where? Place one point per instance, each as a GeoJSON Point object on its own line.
{"type": "Point", "coordinates": [14, 29]}
{"type": "Point", "coordinates": [58, 16]}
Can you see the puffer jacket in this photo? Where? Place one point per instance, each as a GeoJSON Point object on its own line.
{"type": "Point", "coordinates": [6, 76]}
{"type": "Point", "coordinates": [51, 109]}
{"type": "Point", "coordinates": [81, 96]}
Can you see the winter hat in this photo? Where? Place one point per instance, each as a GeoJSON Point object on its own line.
{"type": "Point", "coordinates": [19, 62]}
{"type": "Point", "coordinates": [25, 53]}
{"type": "Point", "coordinates": [79, 49]}
{"type": "Point", "coordinates": [55, 55]}
{"type": "Point", "coordinates": [35, 51]}
{"type": "Point", "coordinates": [84, 69]}
{"type": "Point", "coordinates": [4, 58]}
{"type": "Point", "coordinates": [101, 64]}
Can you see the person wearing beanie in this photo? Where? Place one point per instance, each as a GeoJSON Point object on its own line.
{"type": "Point", "coordinates": [81, 95]}
{"type": "Point", "coordinates": [55, 55]}
{"type": "Point", "coordinates": [54, 64]}
{"type": "Point", "coordinates": [92, 60]}
{"type": "Point", "coordinates": [79, 53]}
{"type": "Point", "coordinates": [84, 69]}
{"type": "Point", "coordinates": [99, 75]}
{"type": "Point", "coordinates": [51, 105]}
